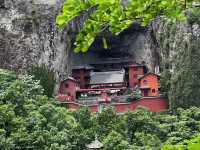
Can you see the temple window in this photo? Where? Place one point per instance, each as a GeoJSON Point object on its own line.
{"type": "Point", "coordinates": [66, 85]}
{"type": "Point", "coordinates": [145, 81]}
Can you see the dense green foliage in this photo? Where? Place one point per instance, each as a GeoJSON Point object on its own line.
{"type": "Point", "coordinates": [112, 15]}
{"type": "Point", "coordinates": [185, 82]}
{"type": "Point", "coordinates": [180, 79]}
{"type": "Point", "coordinates": [192, 144]}
{"type": "Point", "coordinates": [30, 120]}
{"type": "Point", "coordinates": [46, 78]}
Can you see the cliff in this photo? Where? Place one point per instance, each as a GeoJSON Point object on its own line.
{"type": "Point", "coordinates": [173, 41]}
{"type": "Point", "coordinates": [29, 36]}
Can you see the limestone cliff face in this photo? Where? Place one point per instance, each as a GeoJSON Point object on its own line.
{"type": "Point", "coordinates": [173, 42]}
{"type": "Point", "coordinates": [29, 36]}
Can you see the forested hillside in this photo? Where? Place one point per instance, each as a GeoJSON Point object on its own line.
{"type": "Point", "coordinates": [31, 120]}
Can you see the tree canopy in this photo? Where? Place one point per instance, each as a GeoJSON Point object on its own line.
{"type": "Point", "coordinates": [116, 16]}
{"type": "Point", "coordinates": [31, 120]}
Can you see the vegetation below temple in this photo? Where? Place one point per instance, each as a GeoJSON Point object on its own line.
{"type": "Point", "coordinates": [31, 120]}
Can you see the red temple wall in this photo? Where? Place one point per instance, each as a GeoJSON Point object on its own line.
{"type": "Point", "coordinates": [158, 104]}
{"type": "Point", "coordinates": [122, 107]}
{"type": "Point", "coordinates": [74, 106]}
{"type": "Point", "coordinates": [93, 108]}
{"type": "Point", "coordinates": [68, 87]}
{"type": "Point", "coordinates": [154, 104]}
{"type": "Point", "coordinates": [134, 71]}
{"type": "Point", "coordinates": [150, 80]}
{"type": "Point", "coordinates": [82, 76]}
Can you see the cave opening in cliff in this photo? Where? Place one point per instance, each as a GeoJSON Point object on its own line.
{"type": "Point", "coordinates": [2, 4]}
{"type": "Point", "coordinates": [28, 27]}
{"type": "Point", "coordinates": [120, 48]}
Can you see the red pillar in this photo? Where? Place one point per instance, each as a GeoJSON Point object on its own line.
{"type": "Point", "coordinates": [134, 71]}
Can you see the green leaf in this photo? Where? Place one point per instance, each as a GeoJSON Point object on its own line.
{"type": "Point", "coordinates": [105, 45]}
{"type": "Point", "coordinates": [117, 17]}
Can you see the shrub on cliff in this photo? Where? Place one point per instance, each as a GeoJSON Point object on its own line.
{"type": "Point", "coordinates": [194, 16]}
{"type": "Point", "coordinates": [46, 78]}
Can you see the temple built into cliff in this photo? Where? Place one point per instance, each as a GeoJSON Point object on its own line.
{"type": "Point", "coordinates": [122, 84]}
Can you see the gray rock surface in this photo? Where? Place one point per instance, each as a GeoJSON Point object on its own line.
{"type": "Point", "coordinates": [29, 36]}
{"type": "Point", "coordinates": [173, 41]}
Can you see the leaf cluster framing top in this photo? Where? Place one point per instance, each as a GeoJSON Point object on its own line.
{"type": "Point", "coordinates": [112, 15]}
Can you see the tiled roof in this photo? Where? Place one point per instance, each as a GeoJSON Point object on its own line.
{"type": "Point", "coordinates": [144, 87]}
{"type": "Point", "coordinates": [141, 77]}
{"type": "Point", "coordinates": [108, 77]}
{"type": "Point", "coordinates": [87, 67]}
{"type": "Point", "coordinates": [113, 61]}
{"type": "Point", "coordinates": [135, 65]}
{"type": "Point", "coordinates": [70, 78]}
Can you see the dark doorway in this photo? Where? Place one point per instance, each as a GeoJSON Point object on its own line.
{"type": "Point", "coordinates": [146, 92]}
